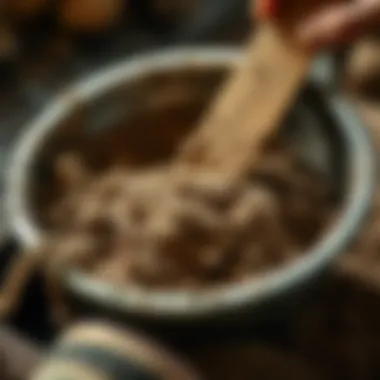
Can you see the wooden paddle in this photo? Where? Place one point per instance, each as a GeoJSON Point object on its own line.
{"type": "Point", "coordinates": [251, 106]}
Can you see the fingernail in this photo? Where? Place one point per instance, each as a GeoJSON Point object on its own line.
{"type": "Point", "coordinates": [266, 9]}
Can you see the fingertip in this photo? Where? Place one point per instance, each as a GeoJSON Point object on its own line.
{"type": "Point", "coordinates": [266, 9]}
{"type": "Point", "coordinates": [336, 26]}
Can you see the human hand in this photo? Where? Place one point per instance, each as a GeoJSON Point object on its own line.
{"type": "Point", "coordinates": [332, 24]}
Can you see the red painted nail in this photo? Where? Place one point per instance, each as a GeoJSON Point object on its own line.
{"type": "Point", "coordinates": [267, 9]}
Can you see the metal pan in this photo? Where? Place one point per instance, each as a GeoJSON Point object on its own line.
{"type": "Point", "coordinates": [327, 133]}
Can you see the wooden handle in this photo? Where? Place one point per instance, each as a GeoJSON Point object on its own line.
{"type": "Point", "coordinates": [251, 107]}
{"type": "Point", "coordinates": [252, 104]}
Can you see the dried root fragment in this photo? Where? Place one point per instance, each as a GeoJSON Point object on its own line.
{"type": "Point", "coordinates": [70, 171]}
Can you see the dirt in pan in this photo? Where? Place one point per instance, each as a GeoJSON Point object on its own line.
{"type": "Point", "coordinates": [125, 215]}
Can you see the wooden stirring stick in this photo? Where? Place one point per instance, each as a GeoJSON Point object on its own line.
{"type": "Point", "coordinates": [251, 107]}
